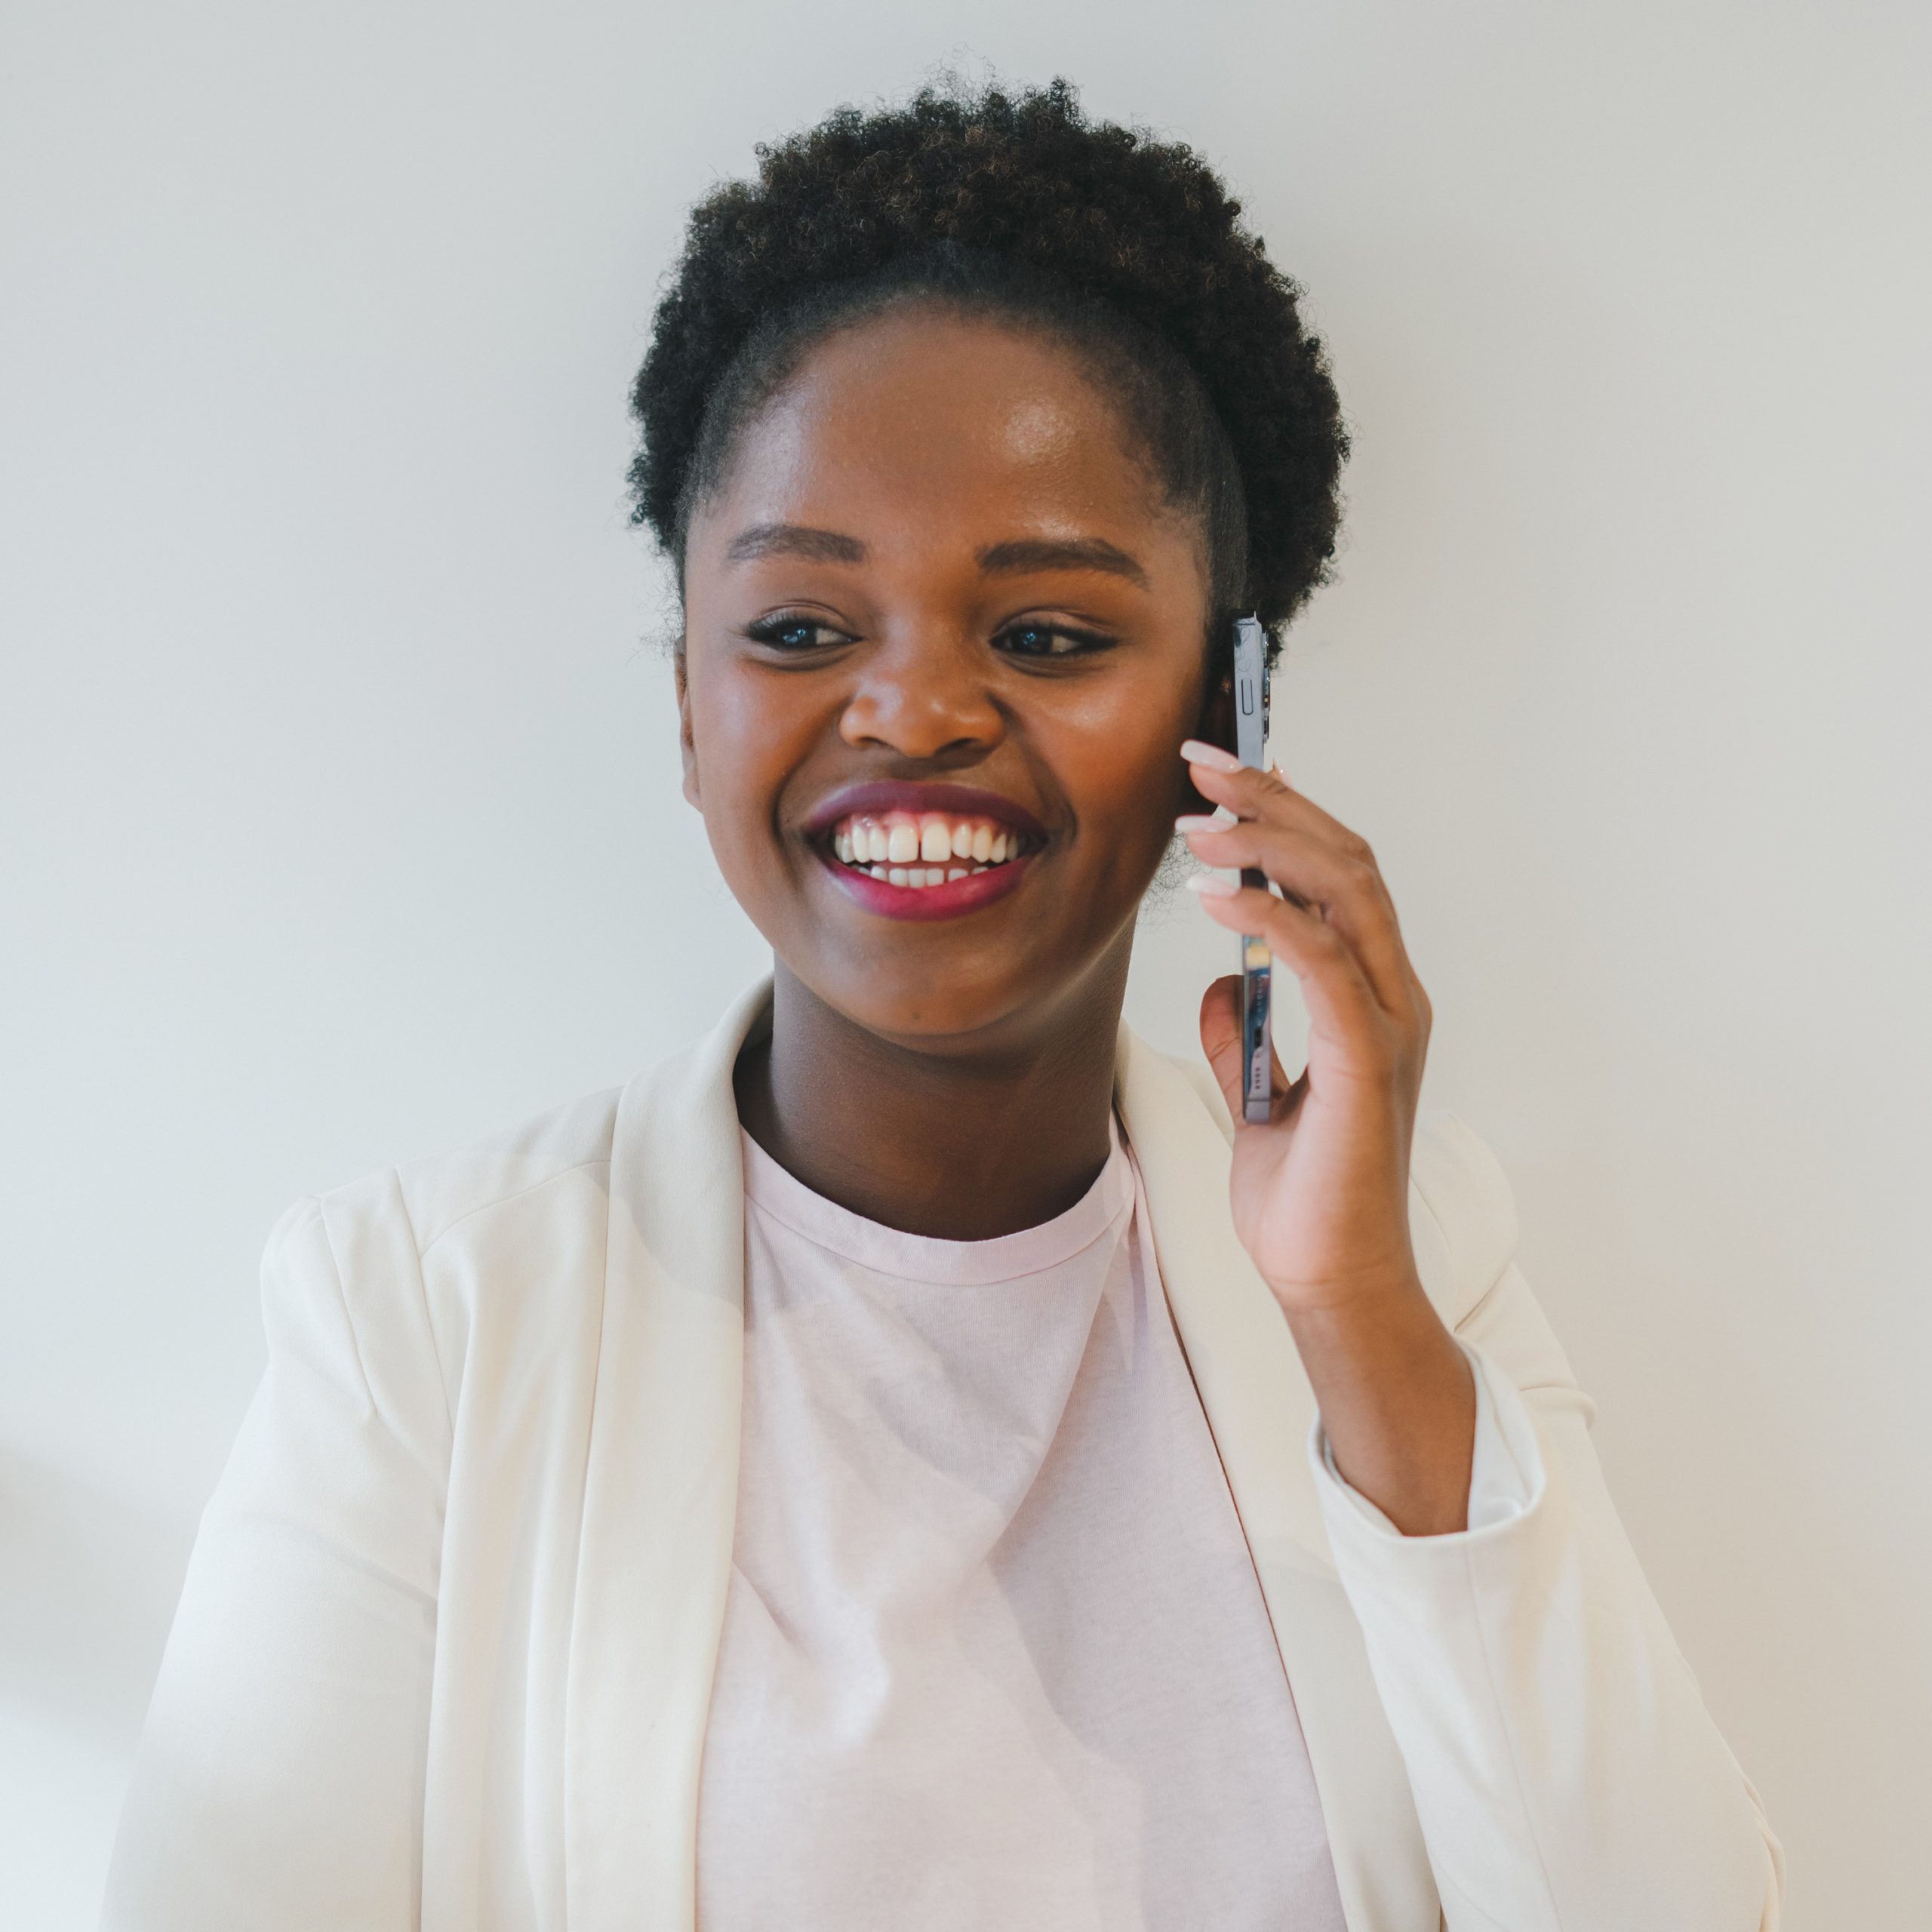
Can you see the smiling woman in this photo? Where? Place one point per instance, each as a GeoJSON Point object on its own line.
{"type": "Point", "coordinates": [932, 557]}
{"type": "Point", "coordinates": [913, 1460]}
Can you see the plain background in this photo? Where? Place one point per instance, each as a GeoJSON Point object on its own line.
{"type": "Point", "coordinates": [341, 820]}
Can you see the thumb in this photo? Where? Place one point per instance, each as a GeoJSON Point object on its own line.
{"type": "Point", "coordinates": [1220, 1037]}
{"type": "Point", "coordinates": [1221, 1041]}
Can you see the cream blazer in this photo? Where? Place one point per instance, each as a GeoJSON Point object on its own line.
{"type": "Point", "coordinates": [444, 1654]}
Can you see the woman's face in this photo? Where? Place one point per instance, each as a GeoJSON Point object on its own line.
{"type": "Point", "coordinates": [943, 640]}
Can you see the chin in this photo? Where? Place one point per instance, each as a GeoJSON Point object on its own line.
{"type": "Point", "coordinates": [919, 996]}
{"type": "Point", "coordinates": [907, 1009]}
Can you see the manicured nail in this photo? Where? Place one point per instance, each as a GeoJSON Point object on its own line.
{"type": "Point", "coordinates": [1198, 822]}
{"type": "Point", "coordinates": [1212, 756]}
{"type": "Point", "coordinates": [1212, 885]}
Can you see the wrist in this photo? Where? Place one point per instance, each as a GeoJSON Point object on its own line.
{"type": "Point", "coordinates": [1397, 1398]}
{"type": "Point", "coordinates": [1389, 1325]}
{"type": "Point", "coordinates": [1372, 1294]}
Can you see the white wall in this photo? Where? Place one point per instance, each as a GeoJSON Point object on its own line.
{"type": "Point", "coordinates": [340, 817]}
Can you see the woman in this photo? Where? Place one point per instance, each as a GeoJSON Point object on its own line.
{"type": "Point", "coordinates": [860, 1473]}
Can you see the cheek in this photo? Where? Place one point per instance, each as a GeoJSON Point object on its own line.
{"type": "Point", "coordinates": [1125, 776]}
{"type": "Point", "coordinates": [742, 744]}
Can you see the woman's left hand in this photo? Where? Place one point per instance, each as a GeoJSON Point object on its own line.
{"type": "Point", "coordinates": [1319, 1192]}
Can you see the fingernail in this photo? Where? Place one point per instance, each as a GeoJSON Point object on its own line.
{"type": "Point", "coordinates": [1212, 885]}
{"type": "Point", "coordinates": [1212, 756]}
{"type": "Point", "coordinates": [1198, 822]}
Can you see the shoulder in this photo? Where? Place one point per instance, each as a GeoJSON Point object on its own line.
{"type": "Point", "coordinates": [418, 1203]}
{"type": "Point", "coordinates": [568, 1143]}
{"type": "Point", "coordinates": [361, 1272]}
{"type": "Point", "coordinates": [1465, 1201]}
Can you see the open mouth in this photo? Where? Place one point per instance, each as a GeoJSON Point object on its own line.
{"type": "Point", "coordinates": [919, 850]}
{"type": "Point", "coordinates": [928, 849]}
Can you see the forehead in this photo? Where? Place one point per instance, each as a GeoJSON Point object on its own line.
{"type": "Point", "coordinates": [945, 430]}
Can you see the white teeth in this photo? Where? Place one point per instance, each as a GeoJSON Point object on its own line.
{"type": "Point", "coordinates": [918, 877]}
{"type": "Point", "coordinates": [914, 851]}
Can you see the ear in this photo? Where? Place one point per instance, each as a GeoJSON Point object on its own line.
{"type": "Point", "coordinates": [687, 746]}
{"type": "Point", "coordinates": [1216, 724]}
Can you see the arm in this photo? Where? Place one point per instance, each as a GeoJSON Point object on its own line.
{"type": "Point", "coordinates": [1565, 1771]}
{"type": "Point", "coordinates": [279, 1780]}
{"type": "Point", "coordinates": [1398, 1402]}
{"type": "Point", "coordinates": [1566, 1774]}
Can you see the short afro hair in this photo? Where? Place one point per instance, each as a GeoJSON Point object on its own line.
{"type": "Point", "coordinates": [1128, 249]}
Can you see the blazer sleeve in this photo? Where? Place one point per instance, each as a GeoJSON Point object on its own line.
{"type": "Point", "coordinates": [1566, 1772]}
{"type": "Point", "coordinates": [279, 1781]}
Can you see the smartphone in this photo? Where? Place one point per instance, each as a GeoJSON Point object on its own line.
{"type": "Point", "coordinates": [1251, 696]}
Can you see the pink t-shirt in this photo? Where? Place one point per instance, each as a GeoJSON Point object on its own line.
{"type": "Point", "coordinates": [994, 1651]}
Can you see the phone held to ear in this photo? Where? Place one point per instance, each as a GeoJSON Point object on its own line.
{"type": "Point", "coordinates": [1251, 696]}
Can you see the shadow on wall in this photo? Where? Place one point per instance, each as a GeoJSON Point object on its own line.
{"type": "Point", "coordinates": [87, 1589]}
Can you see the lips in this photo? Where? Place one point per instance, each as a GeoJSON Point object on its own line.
{"type": "Point", "coordinates": [924, 851]}
{"type": "Point", "coordinates": [949, 899]}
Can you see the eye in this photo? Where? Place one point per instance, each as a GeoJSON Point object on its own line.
{"type": "Point", "coordinates": [791, 630]}
{"type": "Point", "coordinates": [1044, 640]}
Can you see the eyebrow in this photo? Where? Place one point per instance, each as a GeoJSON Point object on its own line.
{"type": "Point", "coordinates": [1069, 553]}
{"type": "Point", "coordinates": [1016, 558]}
{"type": "Point", "coordinates": [794, 539]}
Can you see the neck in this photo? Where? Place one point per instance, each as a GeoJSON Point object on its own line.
{"type": "Point", "coordinates": [960, 1145]}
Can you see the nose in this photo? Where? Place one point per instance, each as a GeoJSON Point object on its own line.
{"type": "Point", "coordinates": [924, 696]}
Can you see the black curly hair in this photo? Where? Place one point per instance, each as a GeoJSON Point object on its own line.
{"type": "Point", "coordinates": [1129, 250]}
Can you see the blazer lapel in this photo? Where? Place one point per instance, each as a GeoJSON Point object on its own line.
{"type": "Point", "coordinates": [1260, 1409]}
{"type": "Point", "coordinates": [660, 1490]}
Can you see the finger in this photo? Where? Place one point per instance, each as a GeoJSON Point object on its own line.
{"type": "Point", "coordinates": [1266, 798]}
{"type": "Point", "coordinates": [1342, 1006]}
{"type": "Point", "coordinates": [1250, 793]}
{"type": "Point", "coordinates": [1349, 890]}
{"type": "Point", "coordinates": [1221, 1041]}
